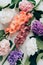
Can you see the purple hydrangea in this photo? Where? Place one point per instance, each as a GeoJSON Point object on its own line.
{"type": "Point", "coordinates": [14, 56]}
{"type": "Point", "coordinates": [37, 28]}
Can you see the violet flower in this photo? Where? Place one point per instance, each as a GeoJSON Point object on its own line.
{"type": "Point", "coordinates": [15, 56]}
{"type": "Point", "coordinates": [37, 28]}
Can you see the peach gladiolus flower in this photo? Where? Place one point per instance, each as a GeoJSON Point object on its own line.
{"type": "Point", "coordinates": [17, 21]}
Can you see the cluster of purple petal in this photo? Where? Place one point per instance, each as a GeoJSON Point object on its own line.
{"type": "Point", "coordinates": [37, 28]}
{"type": "Point", "coordinates": [15, 56]}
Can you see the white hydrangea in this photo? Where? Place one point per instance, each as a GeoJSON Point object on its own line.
{"type": "Point", "coordinates": [40, 62]}
{"type": "Point", "coordinates": [4, 3]}
{"type": "Point", "coordinates": [4, 47]}
{"type": "Point", "coordinates": [6, 15]}
{"type": "Point", "coordinates": [31, 47]}
{"type": "Point", "coordinates": [41, 20]}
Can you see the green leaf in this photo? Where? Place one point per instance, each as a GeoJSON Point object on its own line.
{"type": "Point", "coordinates": [0, 8]}
{"type": "Point", "coordinates": [2, 33]}
{"type": "Point", "coordinates": [11, 43]}
{"type": "Point", "coordinates": [37, 14]}
{"type": "Point", "coordinates": [39, 57]}
{"type": "Point", "coordinates": [33, 1]}
{"type": "Point", "coordinates": [1, 58]}
{"type": "Point", "coordinates": [29, 23]}
{"type": "Point", "coordinates": [39, 43]}
{"type": "Point", "coordinates": [12, 5]}
{"type": "Point", "coordinates": [14, 1]}
{"type": "Point", "coordinates": [14, 48]}
{"type": "Point", "coordinates": [18, 62]}
{"type": "Point", "coordinates": [17, 4]}
{"type": "Point", "coordinates": [33, 59]}
{"type": "Point", "coordinates": [38, 4]}
{"type": "Point", "coordinates": [4, 7]}
{"type": "Point", "coordinates": [42, 57]}
{"type": "Point", "coordinates": [27, 62]}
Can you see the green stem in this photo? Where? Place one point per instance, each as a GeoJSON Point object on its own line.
{"type": "Point", "coordinates": [37, 4]}
{"type": "Point", "coordinates": [4, 36]}
{"type": "Point", "coordinates": [33, 11]}
{"type": "Point", "coordinates": [8, 54]}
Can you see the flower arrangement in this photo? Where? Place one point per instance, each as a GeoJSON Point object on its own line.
{"type": "Point", "coordinates": [13, 50]}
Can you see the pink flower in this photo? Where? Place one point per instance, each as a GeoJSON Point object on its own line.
{"type": "Point", "coordinates": [4, 47]}
{"type": "Point", "coordinates": [26, 5]}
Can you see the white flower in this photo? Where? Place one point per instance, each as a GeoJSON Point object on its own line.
{"type": "Point", "coordinates": [40, 62]}
{"type": "Point", "coordinates": [4, 47]}
{"type": "Point", "coordinates": [41, 20]}
{"type": "Point", "coordinates": [31, 47]}
{"type": "Point", "coordinates": [4, 3]}
{"type": "Point", "coordinates": [6, 15]}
